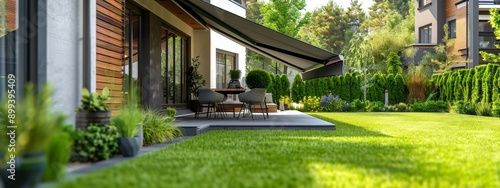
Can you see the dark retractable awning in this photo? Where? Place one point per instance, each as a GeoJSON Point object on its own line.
{"type": "Point", "coordinates": [270, 43]}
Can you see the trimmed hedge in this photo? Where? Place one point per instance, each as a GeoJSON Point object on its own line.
{"type": "Point", "coordinates": [298, 88]}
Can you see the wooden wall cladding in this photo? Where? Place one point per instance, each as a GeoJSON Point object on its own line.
{"type": "Point", "coordinates": [109, 48]}
{"type": "Point", "coordinates": [11, 6]}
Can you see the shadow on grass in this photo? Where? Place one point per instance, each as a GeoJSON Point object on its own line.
{"type": "Point", "coordinates": [347, 129]}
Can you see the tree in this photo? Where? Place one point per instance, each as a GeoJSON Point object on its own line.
{"type": "Point", "coordinates": [253, 10]}
{"type": "Point", "coordinates": [285, 16]}
{"type": "Point", "coordinates": [495, 23]}
{"type": "Point", "coordinates": [444, 58]}
{"type": "Point", "coordinates": [298, 89]}
{"type": "Point", "coordinates": [285, 85]}
{"type": "Point", "coordinates": [394, 65]}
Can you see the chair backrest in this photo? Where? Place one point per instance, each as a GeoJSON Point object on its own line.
{"type": "Point", "coordinates": [206, 95]}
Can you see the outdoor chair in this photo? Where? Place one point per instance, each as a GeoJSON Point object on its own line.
{"type": "Point", "coordinates": [255, 96]}
{"type": "Point", "coordinates": [211, 100]}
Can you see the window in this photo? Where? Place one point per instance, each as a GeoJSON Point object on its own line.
{"type": "Point", "coordinates": [425, 34]}
{"type": "Point", "coordinates": [225, 62]}
{"type": "Point", "coordinates": [240, 2]}
{"type": "Point", "coordinates": [173, 66]}
{"type": "Point", "coordinates": [485, 26]}
{"type": "Point", "coordinates": [132, 57]}
{"type": "Point", "coordinates": [452, 26]}
{"type": "Point", "coordinates": [422, 3]}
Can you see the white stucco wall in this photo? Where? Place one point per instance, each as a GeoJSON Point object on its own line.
{"type": "Point", "coordinates": [217, 41]}
{"type": "Point", "coordinates": [64, 54]}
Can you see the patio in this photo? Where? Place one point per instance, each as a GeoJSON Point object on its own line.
{"type": "Point", "coordinates": [281, 120]}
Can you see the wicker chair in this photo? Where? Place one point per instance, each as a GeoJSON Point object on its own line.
{"type": "Point", "coordinates": [255, 96]}
{"type": "Point", "coordinates": [212, 100]}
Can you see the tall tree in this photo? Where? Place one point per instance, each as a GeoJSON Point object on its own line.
{"type": "Point", "coordinates": [495, 23]}
{"type": "Point", "coordinates": [285, 16]}
{"type": "Point", "coordinates": [253, 10]}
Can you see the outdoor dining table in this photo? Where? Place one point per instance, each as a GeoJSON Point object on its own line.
{"type": "Point", "coordinates": [227, 91]}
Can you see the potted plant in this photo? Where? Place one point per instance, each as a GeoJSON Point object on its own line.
{"type": "Point", "coordinates": [235, 76]}
{"type": "Point", "coordinates": [195, 81]}
{"type": "Point", "coordinates": [128, 123]}
{"type": "Point", "coordinates": [93, 109]}
{"type": "Point", "coordinates": [34, 123]}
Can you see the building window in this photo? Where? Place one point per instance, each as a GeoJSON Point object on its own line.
{"type": "Point", "coordinates": [422, 3]}
{"type": "Point", "coordinates": [240, 2]}
{"type": "Point", "coordinates": [225, 62]}
{"type": "Point", "coordinates": [485, 26]}
{"type": "Point", "coordinates": [452, 29]}
{"type": "Point", "coordinates": [425, 34]}
{"type": "Point", "coordinates": [132, 57]}
{"type": "Point", "coordinates": [173, 66]}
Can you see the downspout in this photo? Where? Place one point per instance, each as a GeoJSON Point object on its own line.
{"type": "Point", "coordinates": [467, 32]}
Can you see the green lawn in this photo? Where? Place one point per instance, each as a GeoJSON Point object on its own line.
{"type": "Point", "coordinates": [366, 150]}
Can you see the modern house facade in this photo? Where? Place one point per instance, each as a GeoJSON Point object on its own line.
{"type": "Point", "coordinates": [148, 44]}
{"type": "Point", "coordinates": [468, 27]}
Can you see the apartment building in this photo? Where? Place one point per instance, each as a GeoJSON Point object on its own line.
{"type": "Point", "coordinates": [468, 27]}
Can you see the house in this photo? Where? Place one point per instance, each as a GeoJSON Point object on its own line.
{"type": "Point", "coordinates": [468, 27]}
{"type": "Point", "coordinates": [145, 43]}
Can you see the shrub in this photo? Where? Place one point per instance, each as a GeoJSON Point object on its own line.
{"type": "Point", "coordinates": [158, 128]}
{"type": "Point", "coordinates": [401, 107]}
{"type": "Point", "coordinates": [483, 109]}
{"type": "Point", "coordinates": [58, 152]}
{"type": "Point", "coordinates": [345, 91]}
{"type": "Point", "coordinates": [487, 85]}
{"type": "Point", "coordinates": [332, 104]}
{"type": "Point", "coordinates": [377, 89]}
{"type": "Point", "coordinates": [429, 106]}
{"type": "Point", "coordinates": [311, 104]}
{"type": "Point", "coordinates": [416, 83]}
{"type": "Point", "coordinates": [464, 107]}
{"type": "Point", "coordinates": [94, 144]}
{"type": "Point", "coordinates": [458, 93]}
{"type": "Point", "coordinates": [469, 84]}
{"type": "Point", "coordinates": [374, 106]}
{"type": "Point", "coordinates": [495, 95]}
{"type": "Point", "coordinates": [298, 89]}
{"type": "Point", "coordinates": [171, 112]}
{"type": "Point", "coordinates": [394, 65]}
{"type": "Point", "coordinates": [495, 108]}
{"type": "Point", "coordinates": [336, 85]}
{"type": "Point", "coordinates": [285, 86]}
{"type": "Point", "coordinates": [477, 90]}
{"type": "Point", "coordinates": [356, 92]}
{"type": "Point", "coordinates": [356, 105]}
{"type": "Point", "coordinates": [450, 83]}
{"type": "Point", "coordinates": [258, 78]}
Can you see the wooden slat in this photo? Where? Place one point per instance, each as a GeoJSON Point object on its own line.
{"type": "Point", "coordinates": [117, 30]}
{"type": "Point", "coordinates": [110, 60]}
{"type": "Point", "coordinates": [116, 4]}
{"type": "Point", "coordinates": [116, 17]}
{"type": "Point", "coordinates": [109, 7]}
{"type": "Point", "coordinates": [109, 33]}
{"type": "Point", "coordinates": [114, 87]}
{"type": "Point", "coordinates": [109, 73]}
{"type": "Point", "coordinates": [108, 46]}
{"type": "Point", "coordinates": [11, 12]}
{"type": "Point", "coordinates": [109, 53]}
{"type": "Point", "coordinates": [109, 80]}
{"type": "Point", "coordinates": [116, 42]}
{"type": "Point", "coordinates": [107, 66]}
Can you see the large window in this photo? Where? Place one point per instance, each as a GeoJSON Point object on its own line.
{"type": "Point", "coordinates": [173, 66]}
{"type": "Point", "coordinates": [452, 26]}
{"type": "Point", "coordinates": [425, 34]}
{"type": "Point", "coordinates": [225, 62]}
{"type": "Point", "coordinates": [132, 57]}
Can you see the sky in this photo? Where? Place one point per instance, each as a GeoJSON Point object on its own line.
{"type": "Point", "coordinates": [313, 4]}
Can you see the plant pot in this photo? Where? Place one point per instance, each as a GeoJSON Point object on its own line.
{"type": "Point", "coordinates": [28, 171]}
{"type": "Point", "coordinates": [129, 147]}
{"type": "Point", "coordinates": [139, 136]}
{"type": "Point", "coordinates": [234, 84]}
{"type": "Point", "coordinates": [85, 118]}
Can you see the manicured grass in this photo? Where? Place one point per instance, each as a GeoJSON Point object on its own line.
{"type": "Point", "coordinates": [366, 150]}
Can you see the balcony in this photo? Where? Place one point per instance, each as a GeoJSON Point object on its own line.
{"type": "Point", "coordinates": [489, 2]}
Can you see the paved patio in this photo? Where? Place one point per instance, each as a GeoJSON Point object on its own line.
{"type": "Point", "coordinates": [282, 120]}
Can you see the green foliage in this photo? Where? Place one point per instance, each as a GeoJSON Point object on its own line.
{"type": "Point", "coordinates": [400, 90]}
{"type": "Point", "coordinates": [171, 112]}
{"type": "Point", "coordinates": [194, 79]}
{"type": "Point", "coordinates": [355, 88]}
{"type": "Point", "coordinates": [429, 106]}
{"type": "Point", "coordinates": [285, 86]}
{"type": "Point", "coordinates": [235, 74]}
{"type": "Point", "coordinates": [469, 84]}
{"type": "Point", "coordinates": [495, 94]}
{"type": "Point", "coordinates": [310, 104]}
{"type": "Point", "coordinates": [458, 85]}
{"type": "Point", "coordinates": [298, 88]}
{"type": "Point", "coordinates": [34, 119]}
{"type": "Point", "coordinates": [444, 58]}
{"type": "Point", "coordinates": [374, 106]}
{"type": "Point", "coordinates": [334, 106]}
{"type": "Point", "coordinates": [336, 85]}
{"type": "Point", "coordinates": [158, 128]}
{"type": "Point", "coordinates": [495, 109]}
{"type": "Point", "coordinates": [417, 79]}
{"type": "Point", "coordinates": [401, 107]}
{"type": "Point", "coordinates": [377, 90]}
{"type": "Point", "coordinates": [357, 105]}
{"type": "Point", "coordinates": [483, 109]}
{"type": "Point", "coordinates": [258, 78]}
{"type": "Point", "coordinates": [477, 89]}
{"type": "Point", "coordinates": [94, 144]}
{"type": "Point", "coordinates": [58, 152]}
{"type": "Point", "coordinates": [127, 121]}
{"type": "Point", "coordinates": [495, 24]}
{"type": "Point", "coordinates": [394, 65]}
{"type": "Point", "coordinates": [93, 101]}
{"type": "Point", "coordinates": [464, 107]}
{"type": "Point", "coordinates": [285, 16]}
{"type": "Point", "coordinates": [450, 83]}
{"type": "Point", "coordinates": [487, 84]}
{"type": "Point", "coordinates": [345, 91]}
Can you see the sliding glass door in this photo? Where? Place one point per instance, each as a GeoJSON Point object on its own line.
{"type": "Point", "coordinates": [173, 64]}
